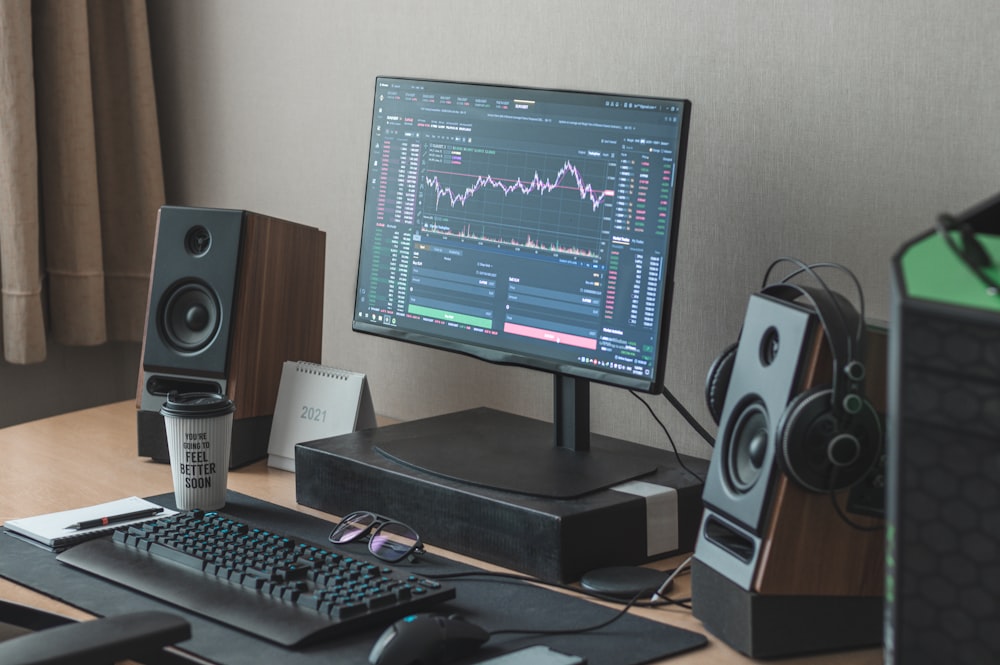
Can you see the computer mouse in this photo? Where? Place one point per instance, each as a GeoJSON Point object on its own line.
{"type": "Point", "coordinates": [426, 639]}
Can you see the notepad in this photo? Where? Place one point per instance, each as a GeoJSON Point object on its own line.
{"type": "Point", "coordinates": [52, 529]}
{"type": "Point", "coordinates": [315, 402]}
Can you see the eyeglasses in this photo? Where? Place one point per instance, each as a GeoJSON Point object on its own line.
{"type": "Point", "coordinates": [971, 251]}
{"type": "Point", "coordinates": [388, 539]}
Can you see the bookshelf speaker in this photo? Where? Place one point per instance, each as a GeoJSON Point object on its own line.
{"type": "Point", "coordinates": [233, 294]}
{"type": "Point", "coordinates": [778, 569]}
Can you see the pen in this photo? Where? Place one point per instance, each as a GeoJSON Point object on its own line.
{"type": "Point", "coordinates": [111, 519]}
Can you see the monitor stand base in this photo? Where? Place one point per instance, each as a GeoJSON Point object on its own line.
{"type": "Point", "coordinates": [502, 451]}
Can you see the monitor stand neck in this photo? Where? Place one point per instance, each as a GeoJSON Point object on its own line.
{"type": "Point", "coordinates": [571, 413]}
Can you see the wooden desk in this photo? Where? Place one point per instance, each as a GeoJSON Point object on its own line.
{"type": "Point", "coordinates": [89, 457]}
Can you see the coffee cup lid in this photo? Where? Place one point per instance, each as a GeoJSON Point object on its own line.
{"type": "Point", "coordinates": [197, 405]}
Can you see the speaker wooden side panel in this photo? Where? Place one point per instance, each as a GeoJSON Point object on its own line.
{"type": "Point", "coordinates": [145, 325]}
{"type": "Point", "coordinates": [808, 549]}
{"type": "Point", "coordinates": [279, 310]}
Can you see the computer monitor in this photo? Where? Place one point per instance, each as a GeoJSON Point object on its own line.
{"type": "Point", "coordinates": [528, 227]}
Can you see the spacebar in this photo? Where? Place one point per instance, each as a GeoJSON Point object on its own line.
{"type": "Point", "coordinates": [200, 593]}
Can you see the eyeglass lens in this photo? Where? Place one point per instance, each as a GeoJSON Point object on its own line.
{"type": "Point", "coordinates": [352, 527]}
{"type": "Point", "coordinates": [391, 541]}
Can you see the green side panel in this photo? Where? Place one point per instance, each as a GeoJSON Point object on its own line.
{"type": "Point", "coordinates": [932, 271]}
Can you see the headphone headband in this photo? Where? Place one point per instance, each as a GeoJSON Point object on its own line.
{"type": "Point", "coordinates": [837, 318]}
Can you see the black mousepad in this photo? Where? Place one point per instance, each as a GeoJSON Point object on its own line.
{"type": "Point", "coordinates": [494, 604]}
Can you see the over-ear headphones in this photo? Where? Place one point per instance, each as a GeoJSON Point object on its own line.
{"type": "Point", "coordinates": [829, 436]}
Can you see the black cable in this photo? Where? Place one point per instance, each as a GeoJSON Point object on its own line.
{"type": "Point", "coordinates": [844, 517]}
{"type": "Point", "coordinates": [847, 520]}
{"type": "Point", "coordinates": [673, 445]}
{"type": "Point", "coordinates": [568, 631]}
{"type": "Point", "coordinates": [695, 425]}
{"type": "Point", "coordinates": [518, 577]}
{"type": "Point", "coordinates": [633, 602]}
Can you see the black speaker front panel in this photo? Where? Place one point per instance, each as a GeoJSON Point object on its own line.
{"type": "Point", "coordinates": [193, 290]}
{"type": "Point", "coordinates": [776, 338]}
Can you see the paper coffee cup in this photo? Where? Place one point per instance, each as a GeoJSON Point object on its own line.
{"type": "Point", "coordinates": [199, 433]}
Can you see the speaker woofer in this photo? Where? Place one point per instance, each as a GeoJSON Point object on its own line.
{"type": "Point", "coordinates": [746, 447]}
{"type": "Point", "coordinates": [190, 317]}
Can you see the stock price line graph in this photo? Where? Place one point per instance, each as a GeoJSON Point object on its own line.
{"type": "Point", "coordinates": [554, 209]}
{"type": "Point", "coordinates": [535, 184]}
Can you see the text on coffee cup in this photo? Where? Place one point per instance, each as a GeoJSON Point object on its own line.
{"type": "Point", "coordinates": [197, 470]}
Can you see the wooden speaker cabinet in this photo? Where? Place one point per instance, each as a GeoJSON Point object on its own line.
{"type": "Point", "coordinates": [233, 295]}
{"type": "Point", "coordinates": [779, 569]}
{"type": "Point", "coordinates": [843, 560]}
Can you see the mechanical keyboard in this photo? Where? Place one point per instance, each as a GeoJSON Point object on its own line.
{"type": "Point", "coordinates": [263, 583]}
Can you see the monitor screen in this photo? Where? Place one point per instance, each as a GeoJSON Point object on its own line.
{"type": "Point", "coordinates": [524, 226]}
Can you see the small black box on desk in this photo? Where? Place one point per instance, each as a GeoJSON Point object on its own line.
{"type": "Point", "coordinates": [559, 540]}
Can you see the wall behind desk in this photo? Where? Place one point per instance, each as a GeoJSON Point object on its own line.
{"type": "Point", "coordinates": [829, 131]}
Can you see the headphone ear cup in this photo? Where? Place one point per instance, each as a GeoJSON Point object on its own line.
{"type": "Point", "coordinates": [717, 381]}
{"type": "Point", "coordinates": [819, 451]}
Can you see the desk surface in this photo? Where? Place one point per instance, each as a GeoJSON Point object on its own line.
{"type": "Point", "coordinates": [89, 457]}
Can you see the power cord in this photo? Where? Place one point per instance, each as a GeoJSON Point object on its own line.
{"type": "Point", "coordinates": [695, 425]}
{"type": "Point", "coordinates": [518, 577]}
{"type": "Point", "coordinates": [673, 445]}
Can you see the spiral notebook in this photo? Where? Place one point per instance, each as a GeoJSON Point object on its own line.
{"type": "Point", "coordinates": [316, 402]}
{"type": "Point", "coordinates": [52, 530]}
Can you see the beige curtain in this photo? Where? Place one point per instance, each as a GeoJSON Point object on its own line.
{"type": "Point", "coordinates": [81, 177]}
